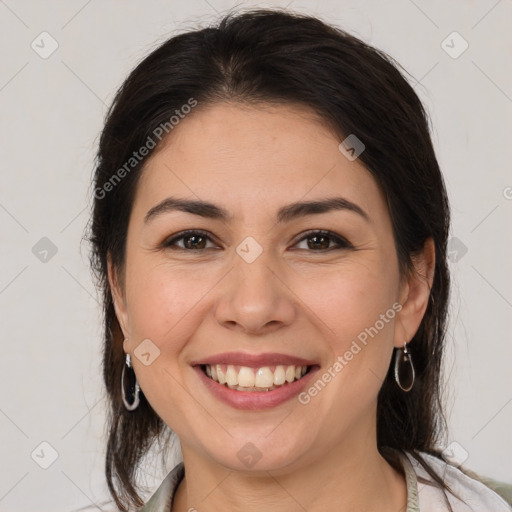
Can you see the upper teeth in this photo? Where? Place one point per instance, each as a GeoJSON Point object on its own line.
{"type": "Point", "coordinates": [245, 376]}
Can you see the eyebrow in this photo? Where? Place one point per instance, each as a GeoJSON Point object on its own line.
{"type": "Point", "coordinates": [285, 214]}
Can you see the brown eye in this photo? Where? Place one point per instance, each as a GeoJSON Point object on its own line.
{"type": "Point", "coordinates": [192, 240]}
{"type": "Point", "coordinates": [318, 241]}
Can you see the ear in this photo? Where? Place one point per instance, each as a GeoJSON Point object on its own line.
{"type": "Point", "coordinates": [118, 296]}
{"type": "Point", "coordinates": [415, 293]}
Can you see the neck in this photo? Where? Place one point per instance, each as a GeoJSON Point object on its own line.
{"type": "Point", "coordinates": [340, 479]}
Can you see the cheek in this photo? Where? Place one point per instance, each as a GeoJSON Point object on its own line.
{"type": "Point", "coordinates": [160, 297]}
{"type": "Point", "coordinates": [165, 306]}
{"type": "Point", "coordinates": [357, 320]}
{"type": "Point", "coordinates": [355, 306]}
{"type": "Point", "coordinates": [351, 297]}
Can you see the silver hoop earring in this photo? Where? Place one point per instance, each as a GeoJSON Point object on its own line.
{"type": "Point", "coordinates": [404, 369]}
{"type": "Point", "coordinates": [130, 389]}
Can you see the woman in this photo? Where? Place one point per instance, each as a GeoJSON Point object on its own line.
{"type": "Point", "coordinates": [269, 233]}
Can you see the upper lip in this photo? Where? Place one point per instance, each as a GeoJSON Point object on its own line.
{"type": "Point", "coordinates": [253, 360]}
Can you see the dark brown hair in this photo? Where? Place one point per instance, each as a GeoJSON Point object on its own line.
{"type": "Point", "coordinates": [267, 56]}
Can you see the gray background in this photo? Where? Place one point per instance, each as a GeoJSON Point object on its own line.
{"type": "Point", "coordinates": [52, 111]}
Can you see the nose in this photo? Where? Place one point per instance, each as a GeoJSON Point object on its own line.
{"type": "Point", "coordinates": [255, 298]}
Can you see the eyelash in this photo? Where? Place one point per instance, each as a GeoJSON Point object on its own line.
{"type": "Point", "coordinates": [341, 242]}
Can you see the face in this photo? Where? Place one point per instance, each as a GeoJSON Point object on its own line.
{"type": "Point", "coordinates": [256, 283]}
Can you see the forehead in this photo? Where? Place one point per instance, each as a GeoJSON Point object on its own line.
{"type": "Point", "coordinates": [250, 157]}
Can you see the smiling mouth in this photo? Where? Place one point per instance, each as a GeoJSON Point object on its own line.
{"type": "Point", "coordinates": [245, 378]}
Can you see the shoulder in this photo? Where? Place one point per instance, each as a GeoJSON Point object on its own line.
{"type": "Point", "coordinates": [473, 492]}
{"type": "Point", "coordinates": [161, 500]}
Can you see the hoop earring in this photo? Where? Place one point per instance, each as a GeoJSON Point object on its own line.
{"type": "Point", "coordinates": [404, 369]}
{"type": "Point", "coordinates": [130, 389]}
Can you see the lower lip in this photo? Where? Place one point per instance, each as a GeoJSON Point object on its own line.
{"type": "Point", "coordinates": [255, 400]}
